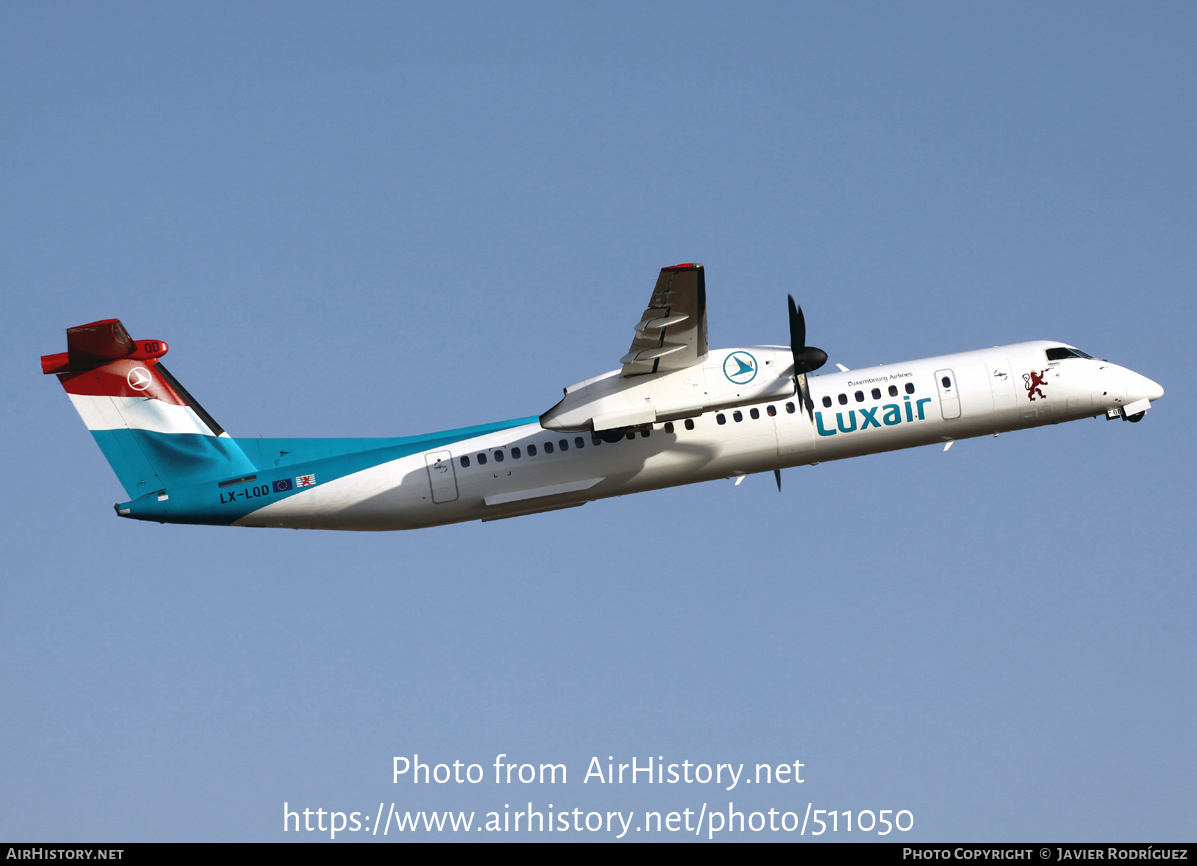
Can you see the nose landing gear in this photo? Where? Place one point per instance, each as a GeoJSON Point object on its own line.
{"type": "Point", "coordinates": [1132, 412]}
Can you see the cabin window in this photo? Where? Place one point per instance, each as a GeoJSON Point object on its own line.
{"type": "Point", "coordinates": [548, 448]}
{"type": "Point", "coordinates": [790, 408]}
{"type": "Point", "coordinates": [843, 398]}
{"type": "Point", "coordinates": [754, 414]}
{"type": "Point", "coordinates": [563, 444]}
{"type": "Point", "coordinates": [826, 402]}
{"type": "Point", "coordinates": [689, 423]}
{"type": "Point", "coordinates": [465, 462]}
{"type": "Point", "coordinates": [515, 453]}
{"type": "Point", "coordinates": [531, 450]}
{"type": "Point", "coordinates": [910, 387]}
{"type": "Point", "coordinates": [876, 393]}
{"type": "Point", "coordinates": [738, 416]}
{"type": "Point", "coordinates": [860, 396]}
{"type": "Point", "coordinates": [481, 459]}
{"type": "Point", "coordinates": [594, 439]}
{"type": "Point", "coordinates": [772, 410]}
{"type": "Point", "coordinates": [720, 418]}
{"type": "Point", "coordinates": [668, 426]}
{"type": "Point", "coordinates": [499, 456]}
{"type": "Point", "coordinates": [579, 442]}
{"type": "Point", "coordinates": [893, 390]}
{"type": "Point", "coordinates": [947, 381]}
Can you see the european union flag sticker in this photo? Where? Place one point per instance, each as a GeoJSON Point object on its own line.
{"type": "Point", "coordinates": [282, 486]}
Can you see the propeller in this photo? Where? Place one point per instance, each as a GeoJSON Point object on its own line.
{"type": "Point", "coordinates": [807, 359]}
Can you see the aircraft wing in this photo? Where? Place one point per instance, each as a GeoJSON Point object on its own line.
{"type": "Point", "coordinates": [672, 333]}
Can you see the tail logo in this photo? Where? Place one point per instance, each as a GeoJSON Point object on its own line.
{"type": "Point", "coordinates": [139, 378]}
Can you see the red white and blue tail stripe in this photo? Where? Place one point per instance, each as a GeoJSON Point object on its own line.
{"type": "Point", "coordinates": [151, 430]}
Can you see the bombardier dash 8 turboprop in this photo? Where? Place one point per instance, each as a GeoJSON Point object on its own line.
{"type": "Point", "coordinates": [675, 413]}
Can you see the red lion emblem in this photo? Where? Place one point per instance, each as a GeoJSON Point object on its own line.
{"type": "Point", "coordinates": [1035, 383]}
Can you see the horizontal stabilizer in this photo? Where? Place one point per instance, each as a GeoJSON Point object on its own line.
{"type": "Point", "coordinates": [98, 343]}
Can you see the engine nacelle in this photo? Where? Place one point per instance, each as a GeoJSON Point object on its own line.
{"type": "Point", "coordinates": [728, 378]}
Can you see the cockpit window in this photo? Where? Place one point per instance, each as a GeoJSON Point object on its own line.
{"type": "Point", "coordinates": [1059, 353]}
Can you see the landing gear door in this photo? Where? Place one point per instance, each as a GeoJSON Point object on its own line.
{"type": "Point", "coordinates": [441, 476]}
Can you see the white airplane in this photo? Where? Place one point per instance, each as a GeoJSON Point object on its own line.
{"type": "Point", "coordinates": [675, 413]}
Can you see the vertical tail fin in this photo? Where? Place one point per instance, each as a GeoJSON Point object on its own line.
{"type": "Point", "coordinates": [154, 434]}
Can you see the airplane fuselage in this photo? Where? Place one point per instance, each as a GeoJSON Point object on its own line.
{"type": "Point", "coordinates": [520, 467]}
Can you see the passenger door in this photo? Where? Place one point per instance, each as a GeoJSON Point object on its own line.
{"type": "Point", "coordinates": [441, 476]}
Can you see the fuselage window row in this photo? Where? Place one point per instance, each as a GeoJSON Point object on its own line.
{"type": "Point", "coordinates": [579, 442]}
{"type": "Point", "coordinates": [753, 413]}
{"type": "Point", "coordinates": [860, 397]}
{"type": "Point", "coordinates": [516, 453]}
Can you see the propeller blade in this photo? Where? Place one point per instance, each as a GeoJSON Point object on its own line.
{"type": "Point", "coordinates": [807, 359]}
{"type": "Point", "coordinates": [808, 405]}
{"type": "Point", "coordinates": [777, 477]}
{"type": "Point", "coordinates": [797, 328]}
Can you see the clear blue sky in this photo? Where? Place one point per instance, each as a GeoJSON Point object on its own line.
{"type": "Point", "coordinates": [385, 219]}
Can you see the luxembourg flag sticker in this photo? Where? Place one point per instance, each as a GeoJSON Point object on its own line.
{"type": "Point", "coordinates": [305, 481]}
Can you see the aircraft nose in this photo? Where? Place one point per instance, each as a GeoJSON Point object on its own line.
{"type": "Point", "coordinates": [1145, 389]}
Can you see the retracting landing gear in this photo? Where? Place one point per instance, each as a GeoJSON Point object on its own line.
{"type": "Point", "coordinates": [1132, 412]}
